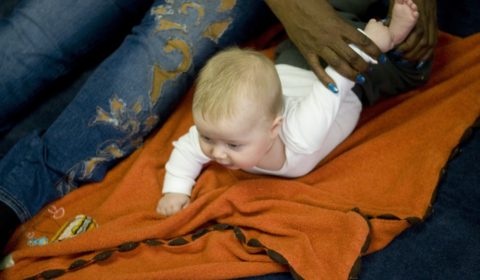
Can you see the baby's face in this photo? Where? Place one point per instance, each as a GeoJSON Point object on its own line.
{"type": "Point", "coordinates": [236, 144]}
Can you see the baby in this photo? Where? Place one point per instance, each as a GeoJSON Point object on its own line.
{"type": "Point", "coordinates": [279, 120]}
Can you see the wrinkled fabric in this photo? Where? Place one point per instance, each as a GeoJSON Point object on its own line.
{"type": "Point", "coordinates": [371, 188]}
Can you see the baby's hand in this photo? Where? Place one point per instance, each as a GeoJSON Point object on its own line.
{"type": "Point", "coordinates": [171, 203]}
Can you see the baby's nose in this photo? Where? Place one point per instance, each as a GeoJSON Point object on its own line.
{"type": "Point", "coordinates": [218, 152]}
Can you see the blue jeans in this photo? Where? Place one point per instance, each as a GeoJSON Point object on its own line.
{"type": "Point", "coordinates": [131, 92]}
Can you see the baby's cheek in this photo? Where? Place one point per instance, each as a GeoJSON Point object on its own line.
{"type": "Point", "coordinates": [205, 149]}
{"type": "Point", "coordinates": [247, 161]}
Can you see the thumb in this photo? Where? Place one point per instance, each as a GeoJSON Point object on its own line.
{"type": "Point", "coordinates": [186, 204]}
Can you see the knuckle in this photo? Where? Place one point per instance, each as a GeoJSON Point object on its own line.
{"type": "Point", "coordinates": [335, 64]}
{"type": "Point", "coordinates": [358, 63]}
{"type": "Point", "coordinates": [355, 59]}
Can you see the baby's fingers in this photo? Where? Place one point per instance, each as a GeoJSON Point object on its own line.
{"type": "Point", "coordinates": [167, 210]}
{"type": "Point", "coordinates": [161, 210]}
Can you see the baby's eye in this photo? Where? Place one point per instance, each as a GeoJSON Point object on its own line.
{"type": "Point", "coordinates": [234, 146]}
{"type": "Point", "coordinates": [206, 139]}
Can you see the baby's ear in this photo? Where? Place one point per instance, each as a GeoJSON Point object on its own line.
{"type": "Point", "coordinates": [276, 125]}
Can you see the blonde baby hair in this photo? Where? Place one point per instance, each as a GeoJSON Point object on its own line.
{"type": "Point", "coordinates": [233, 74]}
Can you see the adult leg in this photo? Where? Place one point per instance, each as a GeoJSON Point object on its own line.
{"type": "Point", "coordinates": [130, 93]}
{"type": "Point", "coordinates": [43, 40]}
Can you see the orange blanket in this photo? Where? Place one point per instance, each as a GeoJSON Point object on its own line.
{"type": "Point", "coordinates": [371, 188]}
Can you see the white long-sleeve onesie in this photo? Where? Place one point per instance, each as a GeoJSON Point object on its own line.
{"type": "Point", "coordinates": [315, 122]}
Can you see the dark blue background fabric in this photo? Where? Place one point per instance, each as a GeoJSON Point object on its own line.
{"type": "Point", "coordinates": [445, 246]}
{"type": "Point", "coordinates": [459, 17]}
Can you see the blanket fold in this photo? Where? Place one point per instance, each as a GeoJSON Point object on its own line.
{"type": "Point", "coordinates": [367, 191]}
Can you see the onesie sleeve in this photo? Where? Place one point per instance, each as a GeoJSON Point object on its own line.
{"type": "Point", "coordinates": [184, 164]}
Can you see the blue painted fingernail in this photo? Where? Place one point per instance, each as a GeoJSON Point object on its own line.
{"type": "Point", "coordinates": [333, 88]}
{"type": "Point", "coordinates": [420, 64]}
{"type": "Point", "coordinates": [382, 58]}
{"type": "Point", "coordinates": [360, 79]}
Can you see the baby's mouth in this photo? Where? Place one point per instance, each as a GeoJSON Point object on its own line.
{"type": "Point", "coordinates": [227, 165]}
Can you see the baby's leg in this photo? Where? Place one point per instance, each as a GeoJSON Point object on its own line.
{"type": "Point", "coordinates": [404, 18]}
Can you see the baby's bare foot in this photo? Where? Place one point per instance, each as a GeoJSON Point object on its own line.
{"type": "Point", "coordinates": [404, 18]}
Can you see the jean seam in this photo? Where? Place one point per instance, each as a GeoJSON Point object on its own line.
{"type": "Point", "coordinates": [22, 212]}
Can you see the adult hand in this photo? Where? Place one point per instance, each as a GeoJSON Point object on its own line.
{"type": "Point", "coordinates": [420, 43]}
{"type": "Point", "coordinates": [320, 33]}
